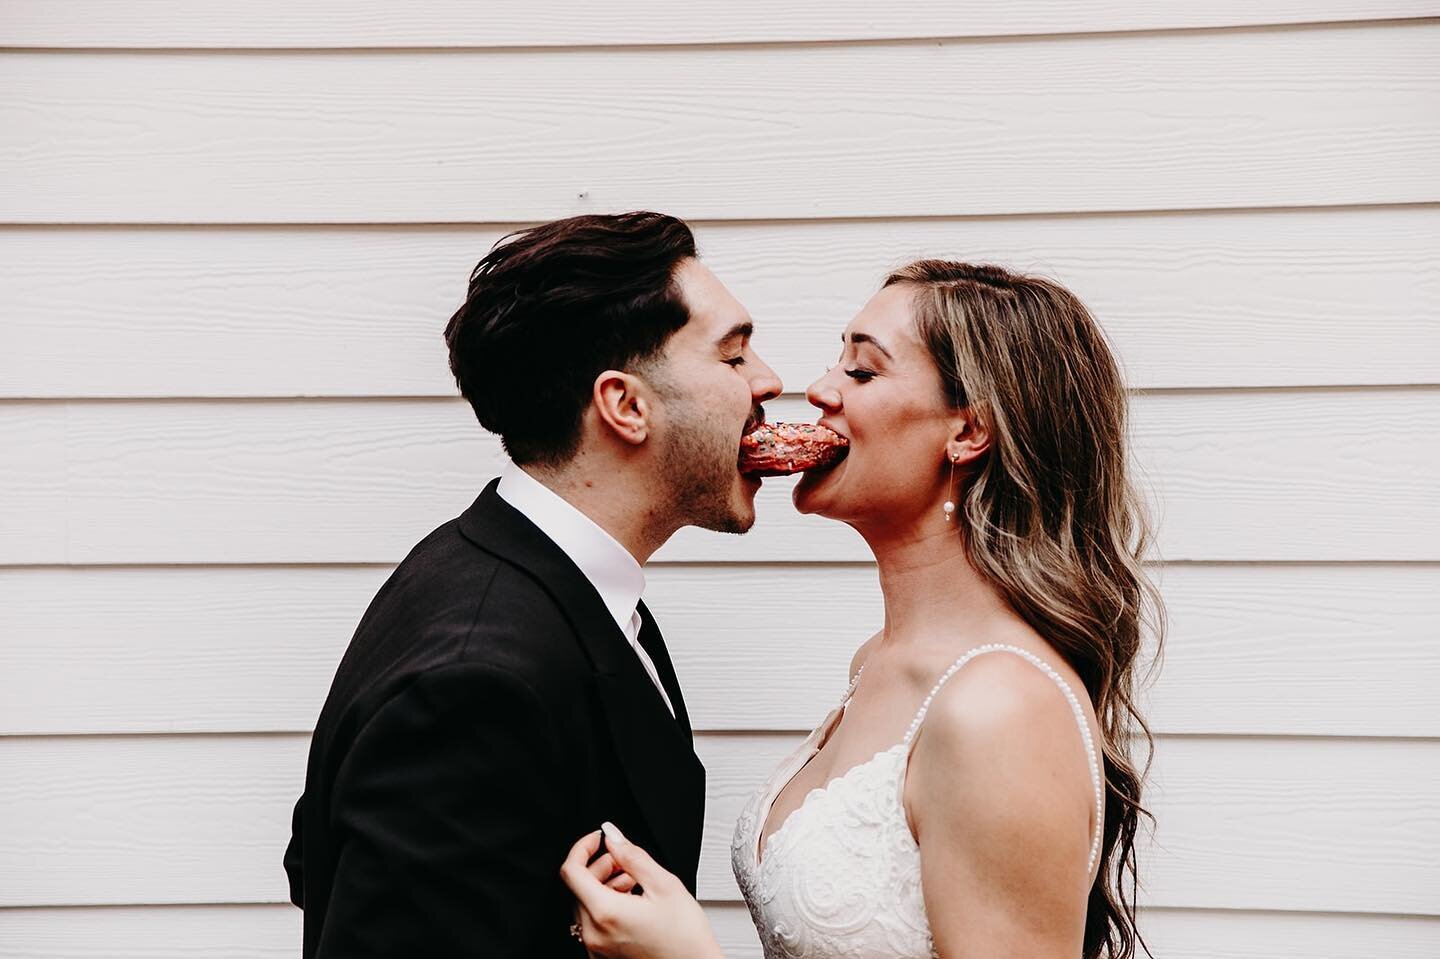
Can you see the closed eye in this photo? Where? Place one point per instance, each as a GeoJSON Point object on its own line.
{"type": "Point", "coordinates": [737, 361]}
{"type": "Point", "coordinates": [859, 375]}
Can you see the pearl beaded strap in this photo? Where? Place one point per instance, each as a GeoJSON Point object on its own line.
{"type": "Point", "coordinates": [1069, 696]}
{"type": "Point", "coordinates": [850, 691]}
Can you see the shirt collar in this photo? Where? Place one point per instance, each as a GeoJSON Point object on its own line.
{"type": "Point", "coordinates": [609, 567]}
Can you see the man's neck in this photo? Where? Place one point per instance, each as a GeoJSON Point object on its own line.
{"type": "Point", "coordinates": [610, 502]}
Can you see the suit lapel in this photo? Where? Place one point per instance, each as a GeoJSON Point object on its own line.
{"type": "Point", "coordinates": [654, 646]}
{"type": "Point", "coordinates": [665, 776]}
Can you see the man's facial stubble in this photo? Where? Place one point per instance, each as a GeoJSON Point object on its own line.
{"type": "Point", "coordinates": [698, 460]}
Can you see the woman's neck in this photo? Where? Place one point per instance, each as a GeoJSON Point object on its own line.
{"type": "Point", "coordinates": [932, 592]}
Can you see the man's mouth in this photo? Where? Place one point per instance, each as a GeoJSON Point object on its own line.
{"type": "Point", "coordinates": [756, 420]}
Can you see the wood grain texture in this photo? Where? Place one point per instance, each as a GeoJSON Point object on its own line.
{"type": "Point", "coordinates": [1310, 824]}
{"type": "Point", "coordinates": [1274, 650]}
{"type": "Point", "coordinates": [272, 931]}
{"type": "Point", "coordinates": [269, 931]}
{"type": "Point", "coordinates": [1273, 475]}
{"type": "Point", "coordinates": [453, 23]}
{"type": "Point", "coordinates": [32, 472]}
{"type": "Point", "coordinates": [1335, 115]}
{"type": "Point", "coordinates": [1277, 298]}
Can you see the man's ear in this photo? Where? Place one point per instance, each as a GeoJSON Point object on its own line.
{"type": "Point", "coordinates": [969, 436]}
{"type": "Point", "coordinates": [622, 406]}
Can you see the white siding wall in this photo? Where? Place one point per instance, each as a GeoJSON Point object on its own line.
{"type": "Point", "coordinates": [230, 234]}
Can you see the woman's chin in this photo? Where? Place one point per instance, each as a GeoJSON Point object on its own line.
{"type": "Point", "coordinates": [812, 493]}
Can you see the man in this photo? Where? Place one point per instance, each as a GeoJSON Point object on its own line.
{"type": "Point", "coordinates": [507, 690]}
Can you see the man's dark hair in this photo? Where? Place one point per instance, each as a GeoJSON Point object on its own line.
{"type": "Point", "coordinates": [550, 308]}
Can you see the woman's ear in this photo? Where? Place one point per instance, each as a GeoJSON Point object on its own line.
{"type": "Point", "coordinates": [969, 436]}
{"type": "Point", "coordinates": [621, 405]}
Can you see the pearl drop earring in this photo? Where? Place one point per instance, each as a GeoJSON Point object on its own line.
{"type": "Point", "coordinates": [949, 507]}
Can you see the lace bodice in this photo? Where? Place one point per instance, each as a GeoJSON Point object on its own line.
{"type": "Point", "coordinates": [840, 877]}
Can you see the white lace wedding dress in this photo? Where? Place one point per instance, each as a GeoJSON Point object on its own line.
{"type": "Point", "coordinates": [840, 877]}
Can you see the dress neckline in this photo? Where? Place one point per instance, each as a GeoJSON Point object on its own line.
{"type": "Point", "coordinates": [763, 841]}
{"type": "Point", "coordinates": [824, 732]}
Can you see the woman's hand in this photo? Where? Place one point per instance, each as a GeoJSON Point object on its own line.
{"type": "Point", "coordinates": [664, 922]}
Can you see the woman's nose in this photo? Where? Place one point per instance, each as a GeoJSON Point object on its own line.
{"type": "Point", "coordinates": [823, 395]}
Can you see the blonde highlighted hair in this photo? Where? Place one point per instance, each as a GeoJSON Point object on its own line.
{"type": "Point", "coordinates": [1052, 518]}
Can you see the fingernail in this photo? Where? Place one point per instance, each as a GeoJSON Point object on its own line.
{"type": "Point", "coordinates": [612, 832]}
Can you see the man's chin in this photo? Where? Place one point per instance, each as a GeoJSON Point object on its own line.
{"type": "Point", "coordinates": [728, 524]}
{"type": "Point", "coordinates": [732, 514]}
{"type": "Point", "coordinates": [740, 520]}
{"type": "Point", "coordinates": [740, 517]}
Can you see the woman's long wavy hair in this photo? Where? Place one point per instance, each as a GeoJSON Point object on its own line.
{"type": "Point", "coordinates": [1052, 517]}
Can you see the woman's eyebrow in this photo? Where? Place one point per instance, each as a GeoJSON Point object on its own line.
{"type": "Point", "coordinates": [867, 338]}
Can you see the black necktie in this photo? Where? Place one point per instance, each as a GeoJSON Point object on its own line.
{"type": "Point", "coordinates": [654, 645]}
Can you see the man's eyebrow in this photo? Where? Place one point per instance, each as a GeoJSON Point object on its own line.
{"type": "Point", "coordinates": [739, 331]}
{"type": "Point", "coordinates": [867, 338]}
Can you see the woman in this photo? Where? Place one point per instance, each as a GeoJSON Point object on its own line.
{"type": "Point", "coordinates": [972, 794]}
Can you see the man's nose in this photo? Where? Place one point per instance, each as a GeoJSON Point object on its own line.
{"type": "Point", "coordinates": [765, 384]}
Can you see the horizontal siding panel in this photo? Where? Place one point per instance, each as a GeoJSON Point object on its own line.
{"type": "Point", "coordinates": [271, 931]}
{"type": "Point", "coordinates": [1343, 296]}
{"type": "Point", "coordinates": [1241, 476]}
{"type": "Point", "coordinates": [1334, 115]}
{"type": "Point", "coordinates": [1293, 650]}
{"type": "Point", "coordinates": [454, 23]}
{"type": "Point", "coordinates": [32, 481]}
{"type": "Point", "coordinates": [1217, 934]}
{"type": "Point", "coordinates": [205, 819]}
{"type": "Point", "coordinates": [267, 931]}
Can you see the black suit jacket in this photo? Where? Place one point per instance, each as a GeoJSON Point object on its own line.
{"type": "Point", "coordinates": [487, 713]}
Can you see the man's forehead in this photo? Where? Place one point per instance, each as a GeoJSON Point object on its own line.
{"type": "Point", "coordinates": [714, 311]}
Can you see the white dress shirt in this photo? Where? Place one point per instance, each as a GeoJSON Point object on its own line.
{"type": "Point", "coordinates": [609, 567]}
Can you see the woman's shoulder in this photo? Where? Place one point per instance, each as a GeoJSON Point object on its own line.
{"type": "Point", "coordinates": [1003, 688]}
{"type": "Point", "coordinates": [1015, 690]}
{"type": "Point", "coordinates": [862, 654]}
{"type": "Point", "coordinates": [1002, 738]}
{"type": "Point", "coordinates": [999, 777]}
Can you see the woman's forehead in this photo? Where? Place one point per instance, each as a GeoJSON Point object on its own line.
{"type": "Point", "coordinates": [886, 319]}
